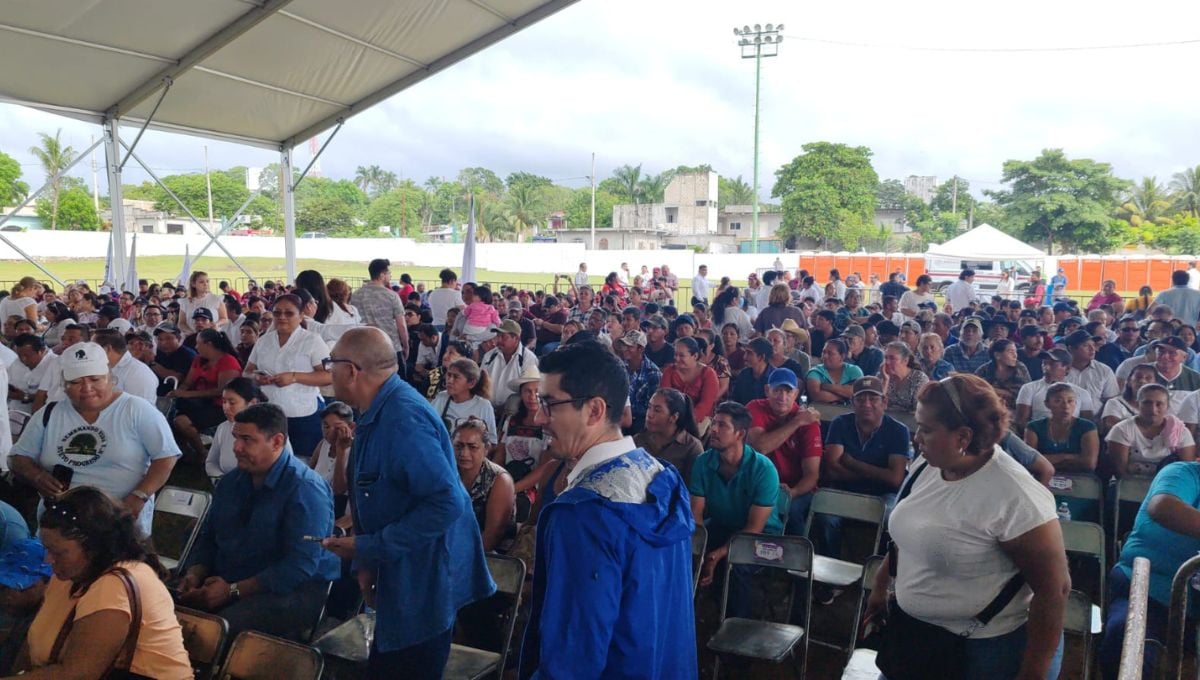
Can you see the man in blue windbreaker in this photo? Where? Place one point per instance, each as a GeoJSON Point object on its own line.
{"type": "Point", "coordinates": [612, 589]}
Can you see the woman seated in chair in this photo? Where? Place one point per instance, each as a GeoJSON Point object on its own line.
{"type": "Point", "coordinates": [238, 394]}
{"type": "Point", "coordinates": [198, 399]}
{"type": "Point", "coordinates": [106, 609]}
{"type": "Point", "coordinates": [1070, 443]}
{"type": "Point", "coordinates": [901, 378]}
{"type": "Point", "coordinates": [832, 380]}
{"type": "Point", "coordinates": [670, 433]}
{"type": "Point", "coordinates": [1125, 405]}
{"type": "Point", "coordinates": [1141, 445]}
{"type": "Point", "coordinates": [490, 486]}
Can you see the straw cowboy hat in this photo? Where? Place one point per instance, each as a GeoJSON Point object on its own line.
{"type": "Point", "coordinates": [528, 374]}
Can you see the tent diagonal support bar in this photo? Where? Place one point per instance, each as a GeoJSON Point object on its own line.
{"type": "Point", "coordinates": [168, 82]}
{"type": "Point", "coordinates": [187, 210]}
{"type": "Point", "coordinates": [317, 155]}
{"type": "Point", "coordinates": [226, 226]}
{"type": "Point", "coordinates": [214, 43]}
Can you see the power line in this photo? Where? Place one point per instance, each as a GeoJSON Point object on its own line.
{"type": "Point", "coordinates": [928, 48]}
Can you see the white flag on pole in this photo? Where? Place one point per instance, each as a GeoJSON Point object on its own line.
{"type": "Point", "coordinates": [131, 277]}
{"type": "Point", "coordinates": [468, 266]}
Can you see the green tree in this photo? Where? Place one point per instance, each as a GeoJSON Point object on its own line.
{"type": "Point", "coordinates": [949, 202]}
{"type": "Point", "coordinates": [266, 209]}
{"type": "Point", "coordinates": [628, 179]}
{"type": "Point", "coordinates": [1147, 203]}
{"type": "Point", "coordinates": [1186, 187]}
{"type": "Point", "coordinates": [579, 210]}
{"type": "Point", "coordinates": [54, 157]}
{"type": "Point", "coordinates": [325, 214]}
{"type": "Point", "coordinates": [828, 193]}
{"type": "Point", "coordinates": [399, 209]}
{"type": "Point", "coordinates": [734, 191]}
{"type": "Point", "coordinates": [526, 207]}
{"type": "Point", "coordinates": [12, 189]}
{"type": "Point", "coordinates": [652, 187]}
{"type": "Point", "coordinates": [75, 209]}
{"type": "Point", "coordinates": [386, 182]}
{"type": "Point", "coordinates": [227, 194]}
{"type": "Point", "coordinates": [480, 181]}
{"type": "Point", "coordinates": [146, 191]}
{"type": "Point", "coordinates": [526, 179]}
{"type": "Point", "coordinates": [1061, 200]}
{"type": "Point", "coordinates": [890, 195]}
{"type": "Point", "coordinates": [342, 190]}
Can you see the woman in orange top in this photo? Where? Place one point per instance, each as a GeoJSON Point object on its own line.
{"type": "Point", "coordinates": [86, 627]}
{"type": "Point", "coordinates": [694, 379]}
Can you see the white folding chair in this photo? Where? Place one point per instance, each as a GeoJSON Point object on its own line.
{"type": "Point", "coordinates": [171, 505]}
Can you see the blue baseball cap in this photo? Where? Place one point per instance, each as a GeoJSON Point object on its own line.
{"type": "Point", "coordinates": [782, 377]}
{"type": "Point", "coordinates": [23, 564]}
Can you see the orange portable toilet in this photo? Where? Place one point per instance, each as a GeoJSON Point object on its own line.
{"type": "Point", "coordinates": [1089, 273]}
{"type": "Point", "coordinates": [1137, 273]}
{"type": "Point", "coordinates": [1160, 272]}
{"type": "Point", "coordinates": [821, 266]}
{"type": "Point", "coordinates": [859, 262]}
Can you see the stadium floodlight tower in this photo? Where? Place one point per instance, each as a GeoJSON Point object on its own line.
{"type": "Point", "coordinates": [756, 43]}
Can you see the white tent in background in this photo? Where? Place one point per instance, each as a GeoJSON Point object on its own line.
{"type": "Point", "coordinates": [131, 276]}
{"type": "Point", "coordinates": [468, 266]}
{"type": "Point", "coordinates": [985, 242]}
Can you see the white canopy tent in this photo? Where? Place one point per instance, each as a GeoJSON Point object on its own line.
{"type": "Point", "coordinates": [268, 73]}
{"type": "Point", "coordinates": [985, 242]}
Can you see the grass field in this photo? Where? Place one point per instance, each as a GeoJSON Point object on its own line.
{"type": "Point", "coordinates": [165, 268]}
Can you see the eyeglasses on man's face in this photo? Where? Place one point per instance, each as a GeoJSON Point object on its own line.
{"type": "Point", "coordinates": [546, 404]}
{"type": "Point", "coordinates": [328, 362]}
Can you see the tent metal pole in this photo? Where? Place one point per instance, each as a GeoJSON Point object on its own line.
{"type": "Point", "coordinates": [167, 83]}
{"type": "Point", "coordinates": [228, 223]}
{"type": "Point", "coordinates": [190, 214]}
{"type": "Point", "coordinates": [289, 210]}
{"type": "Point", "coordinates": [112, 154]}
{"type": "Point", "coordinates": [317, 155]}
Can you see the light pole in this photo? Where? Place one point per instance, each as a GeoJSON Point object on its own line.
{"type": "Point", "coordinates": [757, 43]}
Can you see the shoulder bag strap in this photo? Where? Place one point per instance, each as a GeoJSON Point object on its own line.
{"type": "Point", "coordinates": [124, 658]}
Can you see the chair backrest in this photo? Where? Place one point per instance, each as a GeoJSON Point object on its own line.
{"type": "Point", "coordinates": [16, 422]}
{"type": "Point", "coordinates": [488, 624]}
{"type": "Point", "coordinates": [179, 512]}
{"type": "Point", "coordinates": [1077, 620]}
{"type": "Point", "coordinates": [783, 506]}
{"type": "Point", "coordinates": [1084, 542]}
{"type": "Point", "coordinates": [257, 656]}
{"type": "Point", "coordinates": [699, 545]}
{"type": "Point", "coordinates": [856, 506]}
{"type": "Point", "coordinates": [867, 583]}
{"type": "Point", "coordinates": [204, 639]}
{"type": "Point", "coordinates": [1077, 485]}
{"type": "Point", "coordinates": [1131, 491]}
{"type": "Point", "coordinates": [793, 553]}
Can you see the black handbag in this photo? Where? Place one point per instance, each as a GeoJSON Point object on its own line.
{"type": "Point", "coordinates": [912, 649]}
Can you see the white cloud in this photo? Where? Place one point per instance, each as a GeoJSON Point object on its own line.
{"type": "Point", "coordinates": [661, 83]}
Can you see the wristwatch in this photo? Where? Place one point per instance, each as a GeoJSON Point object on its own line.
{"type": "Point", "coordinates": [138, 493]}
{"type": "Point", "coordinates": [234, 593]}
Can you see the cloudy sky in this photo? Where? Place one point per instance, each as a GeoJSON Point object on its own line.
{"type": "Point", "coordinates": [661, 82]}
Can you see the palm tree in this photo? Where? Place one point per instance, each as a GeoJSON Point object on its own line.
{"type": "Point", "coordinates": [652, 187]}
{"type": "Point", "coordinates": [740, 192]}
{"type": "Point", "coordinates": [432, 184]}
{"type": "Point", "coordinates": [629, 177]}
{"type": "Point", "coordinates": [1147, 203]}
{"type": "Point", "coordinates": [363, 177]}
{"type": "Point", "coordinates": [526, 207]}
{"type": "Point", "coordinates": [1186, 186]}
{"type": "Point", "coordinates": [54, 158]}
{"type": "Point", "coordinates": [385, 182]}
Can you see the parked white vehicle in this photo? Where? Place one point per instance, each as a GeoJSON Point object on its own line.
{"type": "Point", "coordinates": [945, 271]}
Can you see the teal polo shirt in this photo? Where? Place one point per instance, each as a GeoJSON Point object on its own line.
{"type": "Point", "coordinates": [727, 503]}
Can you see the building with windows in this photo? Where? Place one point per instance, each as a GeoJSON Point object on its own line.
{"type": "Point", "coordinates": [921, 186]}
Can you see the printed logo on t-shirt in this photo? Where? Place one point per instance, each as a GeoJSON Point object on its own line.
{"type": "Point", "coordinates": [82, 446]}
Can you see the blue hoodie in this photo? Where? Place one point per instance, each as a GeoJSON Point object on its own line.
{"type": "Point", "coordinates": [612, 589]}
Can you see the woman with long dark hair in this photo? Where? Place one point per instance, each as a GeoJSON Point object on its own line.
{"type": "Point", "coordinates": [198, 399]}
{"type": "Point", "coordinates": [671, 433]}
{"type": "Point", "coordinates": [238, 395]}
{"type": "Point", "coordinates": [312, 281]}
{"type": "Point", "coordinates": [106, 611]}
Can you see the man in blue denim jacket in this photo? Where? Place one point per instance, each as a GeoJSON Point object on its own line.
{"type": "Point", "coordinates": [416, 548]}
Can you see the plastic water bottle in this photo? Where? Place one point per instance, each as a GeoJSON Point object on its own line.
{"type": "Point", "coordinates": [1064, 512]}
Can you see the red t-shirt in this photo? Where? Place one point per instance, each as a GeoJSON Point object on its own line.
{"type": "Point", "coordinates": [805, 442]}
{"type": "Point", "coordinates": [207, 375]}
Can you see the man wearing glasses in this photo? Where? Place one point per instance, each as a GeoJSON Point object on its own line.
{"type": "Point", "coordinates": [417, 550]}
{"type": "Point", "coordinates": [1129, 338]}
{"type": "Point", "coordinates": [612, 589]}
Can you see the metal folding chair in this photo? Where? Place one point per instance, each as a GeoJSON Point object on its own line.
{"type": "Point", "coordinates": [1078, 621]}
{"type": "Point", "coordinates": [852, 506]}
{"type": "Point", "coordinates": [760, 639]}
{"type": "Point", "coordinates": [258, 656]}
{"type": "Point", "coordinates": [1080, 486]}
{"type": "Point", "coordinates": [473, 663]}
{"type": "Point", "coordinates": [178, 514]}
{"type": "Point", "coordinates": [1084, 542]}
{"type": "Point", "coordinates": [1130, 491]}
{"type": "Point", "coordinates": [699, 545]}
{"type": "Point", "coordinates": [204, 639]}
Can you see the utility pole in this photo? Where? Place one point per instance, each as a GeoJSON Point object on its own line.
{"type": "Point", "coordinates": [593, 179]}
{"type": "Point", "coordinates": [753, 41]}
{"type": "Point", "coordinates": [954, 198]}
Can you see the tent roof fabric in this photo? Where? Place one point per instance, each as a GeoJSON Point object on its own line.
{"type": "Point", "coordinates": [986, 242]}
{"type": "Point", "coordinates": [269, 73]}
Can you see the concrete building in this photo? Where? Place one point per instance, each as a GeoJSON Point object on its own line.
{"type": "Point", "coordinates": [142, 218]}
{"type": "Point", "coordinates": [921, 186]}
{"type": "Point", "coordinates": [687, 215]}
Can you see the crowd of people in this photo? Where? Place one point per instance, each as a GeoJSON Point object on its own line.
{"type": "Point", "coordinates": [585, 430]}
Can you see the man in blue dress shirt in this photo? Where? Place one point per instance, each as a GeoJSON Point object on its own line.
{"type": "Point", "coordinates": [251, 563]}
{"type": "Point", "coordinates": [416, 549]}
{"type": "Point", "coordinates": [612, 585]}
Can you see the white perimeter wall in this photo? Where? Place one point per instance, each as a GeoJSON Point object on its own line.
{"type": "Point", "coordinates": [563, 258]}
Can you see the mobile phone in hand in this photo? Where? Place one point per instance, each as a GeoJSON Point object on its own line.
{"type": "Point", "coordinates": [63, 474]}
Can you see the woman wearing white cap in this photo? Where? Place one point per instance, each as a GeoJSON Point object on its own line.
{"type": "Point", "coordinates": [98, 436]}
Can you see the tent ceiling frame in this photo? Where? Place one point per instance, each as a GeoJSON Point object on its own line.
{"type": "Point", "coordinates": [83, 43]}
{"type": "Point", "coordinates": [228, 223]}
{"type": "Point", "coordinates": [349, 38]}
{"type": "Point", "coordinates": [142, 131]}
{"type": "Point", "coordinates": [317, 155]}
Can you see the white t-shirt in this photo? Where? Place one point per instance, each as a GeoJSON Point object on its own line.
{"type": "Point", "coordinates": [112, 454]}
{"type": "Point", "coordinates": [913, 300]}
{"type": "Point", "coordinates": [735, 315]}
{"type": "Point", "coordinates": [1117, 408]}
{"type": "Point", "coordinates": [700, 287]}
{"type": "Point", "coordinates": [519, 445]}
{"type": "Point", "coordinates": [1033, 395]}
{"type": "Point", "coordinates": [503, 372]}
{"type": "Point", "coordinates": [325, 461]}
{"type": "Point", "coordinates": [6, 440]}
{"type": "Point", "coordinates": [220, 459]}
{"type": "Point", "coordinates": [134, 377]}
{"type": "Point", "coordinates": [301, 353]}
{"type": "Point", "coordinates": [30, 380]}
{"type": "Point", "coordinates": [452, 414]}
{"type": "Point", "coordinates": [960, 294]}
{"type": "Point", "coordinates": [1126, 367]}
{"type": "Point", "coordinates": [1144, 454]}
{"type": "Point", "coordinates": [440, 302]}
{"type": "Point", "coordinates": [11, 306]}
{"type": "Point", "coordinates": [951, 565]}
{"type": "Point", "coordinates": [1098, 379]}
{"type": "Point", "coordinates": [341, 317]}
{"type": "Point", "coordinates": [188, 306]}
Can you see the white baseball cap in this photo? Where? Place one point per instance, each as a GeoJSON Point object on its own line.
{"type": "Point", "coordinates": [82, 360]}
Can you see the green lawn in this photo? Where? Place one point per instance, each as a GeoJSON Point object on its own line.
{"type": "Point", "coordinates": [165, 268]}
